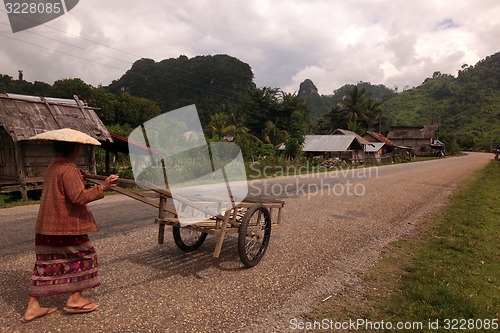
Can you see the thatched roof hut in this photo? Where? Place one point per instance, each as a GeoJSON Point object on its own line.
{"type": "Point", "coordinates": [23, 162]}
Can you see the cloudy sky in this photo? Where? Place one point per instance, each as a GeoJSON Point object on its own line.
{"type": "Point", "coordinates": [392, 42]}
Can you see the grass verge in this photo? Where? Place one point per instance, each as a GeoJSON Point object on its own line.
{"type": "Point", "coordinates": [449, 274]}
{"type": "Point", "coordinates": [9, 201]}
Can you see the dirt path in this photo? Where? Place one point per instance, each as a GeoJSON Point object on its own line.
{"type": "Point", "coordinates": [325, 240]}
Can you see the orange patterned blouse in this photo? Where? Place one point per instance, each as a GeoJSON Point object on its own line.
{"type": "Point", "coordinates": [63, 209]}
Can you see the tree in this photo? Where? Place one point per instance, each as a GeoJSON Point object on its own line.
{"type": "Point", "coordinates": [375, 117]}
{"type": "Point", "coordinates": [249, 146]}
{"type": "Point", "coordinates": [135, 110]}
{"type": "Point", "coordinates": [330, 121]}
{"type": "Point", "coordinates": [293, 146]}
{"type": "Point", "coordinates": [262, 106]}
{"type": "Point", "coordinates": [354, 104]}
{"type": "Point", "coordinates": [107, 103]}
{"type": "Point", "coordinates": [8, 85]}
{"type": "Point", "coordinates": [355, 126]}
{"type": "Point", "coordinates": [450, 142]}
{"type": "Point", "coordinates": [359, 110]}
{"type": "Point", "coordinates": [218, 126]}
{"type": "Point", "coordinates": [237, 125]}
{"type": "Point", "coordinates": [67, 88]}
{"type": "Point", "coordinates": [273, 135]}
{"type": "Point", "coordinates": [290, 103]}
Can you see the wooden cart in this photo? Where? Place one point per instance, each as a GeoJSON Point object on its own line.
{"type": "Point", "coordinates": [251, 220]}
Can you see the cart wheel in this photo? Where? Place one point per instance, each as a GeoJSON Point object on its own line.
{"type": "Point", "coordinates": [254, 234]}
{"type": "Point", "coordinates": [188, 240]}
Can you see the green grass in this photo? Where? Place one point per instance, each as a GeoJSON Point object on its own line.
{"type": "Point", "coordinates": [452, 270]}
{"type": "Point", "coordinates": [456, 274]}
{"type": "Point", "coordinates": [14, 200]}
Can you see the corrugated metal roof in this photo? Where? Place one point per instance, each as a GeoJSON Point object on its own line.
{"type": "Point", "coordinates": [327, 143]}
{"type": "Point", "coordinates": [25, 116]}
{"type": "Point", "coordinates": [373, 147]}
{"type": "Point", "coordinates": [332, 142]}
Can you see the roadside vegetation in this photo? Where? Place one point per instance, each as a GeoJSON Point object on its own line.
{"type": "Point", "coordinates": [450, 270]}
{"type": "Point", "coordinates": [14, 199]}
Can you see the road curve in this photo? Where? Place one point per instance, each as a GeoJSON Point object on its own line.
{"type": "Point", "coordinates": [334, 226]}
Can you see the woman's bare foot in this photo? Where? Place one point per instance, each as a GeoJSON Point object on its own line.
{"type": "Point", "coordinates": [81, 309]}
{"type": "Point", "coordinates": [34, 310]}
{"type": "Point", "coordinates": [76, 303]}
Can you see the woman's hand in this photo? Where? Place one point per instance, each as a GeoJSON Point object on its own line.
{"type": "Point", "coordinates": [109, 183]}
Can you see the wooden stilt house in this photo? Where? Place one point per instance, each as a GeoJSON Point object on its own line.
{"type": "Point", "coordinates": [22, 161]}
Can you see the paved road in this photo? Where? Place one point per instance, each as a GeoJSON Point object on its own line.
{"type": "Point", "coordinates": [334, 227]}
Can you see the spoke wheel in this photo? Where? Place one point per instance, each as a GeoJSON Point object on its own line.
{"type": "Point", "coordinates": [188, 240]}
{"type": "Point", "coordinates": [254, 234]}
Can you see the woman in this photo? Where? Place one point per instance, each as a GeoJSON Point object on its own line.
{"type": "Point", "coordinates": [66, 261]}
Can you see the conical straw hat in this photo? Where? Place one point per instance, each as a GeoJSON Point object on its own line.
{"type": "Point", "coordinates": [67, 134]}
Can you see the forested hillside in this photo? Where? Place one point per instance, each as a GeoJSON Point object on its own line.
{"type": "Point", "coordinates": [320, 105]}
{"type": "Point", "coordinates": [218, 83]}
{"type": "Point", "coordinates": [467, 107]}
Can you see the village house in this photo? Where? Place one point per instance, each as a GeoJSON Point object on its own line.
{"type": "Point", "coordinates": [374, 152]}
{"type": "Point", "coordinates": [22, 161]}
{"type": "Point", "coordinates": [381, 149]}
{"type": "Point", "coordinates": [422, 139]}
{"type": "Point", "coordinates": [342, 144]}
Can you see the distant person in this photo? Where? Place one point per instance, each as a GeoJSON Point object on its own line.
{"type": "Point", "coordinates": [66, 261]}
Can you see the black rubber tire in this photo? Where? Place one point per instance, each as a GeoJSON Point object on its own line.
{"type": "Point", "coordinates": [251, 248]}
{"type": "Point", "coordinates": [185, 244]}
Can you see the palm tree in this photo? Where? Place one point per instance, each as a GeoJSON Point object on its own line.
{"type": "Point", "coordinates": [354, 104]}
{"type": "Point", "coordinates": [237, 125]}
{"type": "Point", "coordinates": [359, 110]}
{"type": "Point", "coordinates": [264, 105]}
{"type": "Point", "coordinates": [373, 114]}
{"type": "Point", "coordinates": [218, 125]}
{"type": "Point", "coordinates": [290, 103]}
{"type": "Point", "coordinates": [273, 135]}
{"type": "Point", "coordinates": [354, 126]}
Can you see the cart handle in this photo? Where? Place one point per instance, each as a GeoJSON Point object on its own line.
{"type": "Point", "coordinates": [164, 192]}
